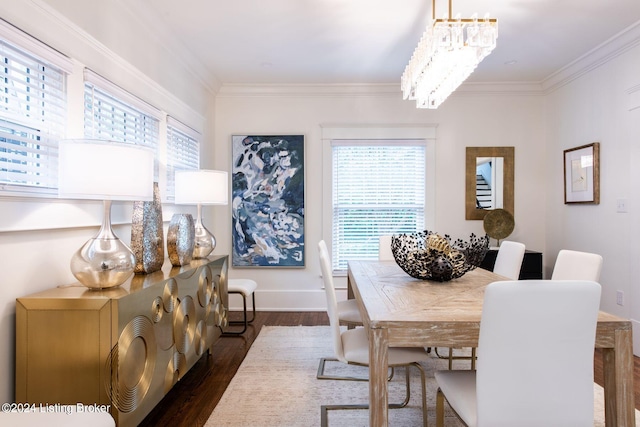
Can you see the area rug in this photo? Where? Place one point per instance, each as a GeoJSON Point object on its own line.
{"type": "Point", "coordinates": [276, 386]}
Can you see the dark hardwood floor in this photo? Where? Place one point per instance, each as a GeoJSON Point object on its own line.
{"type": "Point", "coordinates": [190, 402]}
{"type": "Point", "coordinates": [194, 397]}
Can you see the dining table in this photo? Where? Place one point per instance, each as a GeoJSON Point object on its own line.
{"type": "Point", "coordinates": [401, 311]}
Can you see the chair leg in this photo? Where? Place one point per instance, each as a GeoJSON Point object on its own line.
{"type": "Point", "coordinates": [322, 376]}
{"type": "Point", "coordinates": [253, 305]}
{"type": "Point", "coordinates": [439, 408]}
{"type": "Point", "coordinates": [473, 358]}
{"type": "Point", "coordinates": [324, 420]}
{"type": "Point", "coordinates": [253, 314]}
{"type": "Point", "coordinates": [450, 357]}
{"type": "Point", "coordinates": [423, 381]}
{"type": "Point", "coordinates": [243, 322]}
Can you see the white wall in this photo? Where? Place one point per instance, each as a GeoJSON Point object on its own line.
{"type": "Point", "coordinates": [467, 119]}
{"type": "Point", "coordinates": [600, 106]}
{"type": "Point", "coordinates": [594, 107]}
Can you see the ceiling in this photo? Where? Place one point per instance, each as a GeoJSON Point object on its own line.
{"type": "Point", "coordinates": [371, 41]}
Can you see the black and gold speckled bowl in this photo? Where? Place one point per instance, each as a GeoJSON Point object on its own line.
{"type": "Point", "coordinates": [427, 255]}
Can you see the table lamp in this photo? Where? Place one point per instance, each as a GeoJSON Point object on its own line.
{"type": "Point", "coordinates": [107, 171]}
{"type": "Point", "coordinates": [201, 187]}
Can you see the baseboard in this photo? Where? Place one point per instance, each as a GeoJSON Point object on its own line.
{"type": "Point", "coordinates": [285, 300]}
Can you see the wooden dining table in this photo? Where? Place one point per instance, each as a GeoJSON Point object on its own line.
{"type": "Point", "coordinates": [400, 311]}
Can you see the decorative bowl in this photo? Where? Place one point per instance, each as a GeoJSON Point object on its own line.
{"type": "Point", "coordinates": [427, 255]}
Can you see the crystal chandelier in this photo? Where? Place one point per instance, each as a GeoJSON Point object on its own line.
{"type": "Point", "coordinates": [448, 52]}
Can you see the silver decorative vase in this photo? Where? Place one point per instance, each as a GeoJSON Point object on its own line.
{"type": "Point", "coordinates": [147, 235]}
{"type": "Point", "coordinates": [181, 239]}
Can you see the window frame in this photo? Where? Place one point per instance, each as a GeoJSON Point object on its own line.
{"type": "Point", "coordinates": [29, 47]}
{"type": "Point", "coordinates": [426, 132]}
{"type": "Point", "coordinates": [380, 204]}
{"type": "Point", "coordinates": [171, 164]}
{"type": "Point", "coordinates": [146, 119]}
{"type": "Point", "coordinates": [38, 210]}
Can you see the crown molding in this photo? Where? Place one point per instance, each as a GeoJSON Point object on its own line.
{"type": "Point", "coordinates": [70, 39]}
{"type": "Point", "coordinates": [601, 54]}
{"type": "Point", "coordinates": [391, 90]}
{"type": "Point", "coordinates": [500, 88]}
{"type": "Point", "coordinates": [615, 46]}
{"type": "Point", "coordinates": [152, 23]}
{"type": "Point", "coordinates": [284, 89]}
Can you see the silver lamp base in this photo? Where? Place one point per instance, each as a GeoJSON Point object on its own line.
{"type": "Point", "coordinates": [205, 243]}
{"type": "Point", "coordinates": [204, 240]}
{"type": "Point", "coordinates": [104, 261]}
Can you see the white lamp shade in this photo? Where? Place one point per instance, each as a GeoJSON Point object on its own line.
{"type": "Point", "coordinates": [104, 170]}
{"type": "Point", "coordinates": [201, 187]}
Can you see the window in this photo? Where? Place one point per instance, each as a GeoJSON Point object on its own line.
{"type": "Point", "coordinates": [183, 151]}
{"type": "Point", "coordinates": [378, 189]}
{"type": "Point", "coordinates": [111, 113]}
{"type": "Point", "coordinates": [45, 96]}
{"type": "Point", "coordinates": [33, 112]}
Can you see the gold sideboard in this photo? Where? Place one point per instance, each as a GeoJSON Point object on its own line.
{"type": "Point", "coordinates": [124, 347]}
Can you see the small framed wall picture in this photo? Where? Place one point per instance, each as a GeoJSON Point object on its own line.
{"type": "Point", "coordinates": [582, 174]}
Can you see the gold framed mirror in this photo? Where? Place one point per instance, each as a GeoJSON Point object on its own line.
{"type": "Point", "coordinates": [488, 180]}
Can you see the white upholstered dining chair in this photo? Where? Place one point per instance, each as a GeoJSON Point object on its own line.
{"type": "Point", "coordinates": [384, 248]}
{"type": "Point", "coordinates": [516, 384]}
{"type": "Point", "coordinates": [348, 311]}
{"type": "Point", "coordinates": [352, 346]}
{"type": "Point", "coordinates": [508, 264]}
{"type": "Point", "coordinates": [575, 265]}
{"type": "Point", "coordinates": [509, 259]}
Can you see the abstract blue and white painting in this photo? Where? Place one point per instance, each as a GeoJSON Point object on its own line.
{"type": "Point", "coordinates": [268, 201]}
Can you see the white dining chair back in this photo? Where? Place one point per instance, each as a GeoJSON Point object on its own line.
{"type": "Point", "coordinates": [575, 265]}
{"type": "Point", "coordinates": [509, 259]}
{"type": "Point", "coordinates": [332, 302]}
{"type": "Point", "coordinates": [516, 383]}
{"type": "Point", "coordinates": [352, 347]}
{"type": "Point", "coordinates": [384, 249]}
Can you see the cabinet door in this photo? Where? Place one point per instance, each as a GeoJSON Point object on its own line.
{"type": "Point", "coordinates": [124, 347]}
{"type": "Point", "coordinates": [60, 349]}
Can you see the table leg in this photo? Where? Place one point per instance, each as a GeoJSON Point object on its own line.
{"type": "Point", "coordinates": [378, 364]}
{"type": "Point", "coordinates": [618, 381]}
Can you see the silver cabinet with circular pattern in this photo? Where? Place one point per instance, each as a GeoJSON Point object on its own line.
{"type": "Point", "coordinates": [123, 347]}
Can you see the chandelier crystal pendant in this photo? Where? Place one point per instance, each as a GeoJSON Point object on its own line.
{"type": "Point", "coordinates": [448, 52]}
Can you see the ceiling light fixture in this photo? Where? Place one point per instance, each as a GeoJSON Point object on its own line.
{"type": "Point", "coordinates": [448, 52]}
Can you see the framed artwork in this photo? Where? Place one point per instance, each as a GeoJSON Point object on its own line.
{"type": "Point", "coordinates": [582, 174]}
{"type": "Point", "coordinates": [267, 207]}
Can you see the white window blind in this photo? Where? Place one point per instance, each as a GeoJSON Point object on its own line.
{"type": "Point", "coordinates": [378, 189]}
{"type": "Point", "coordinates": [183, 151]}
{"type": "Point", "coordinates": [111, 113]}
{"type": "Point", "coordinates": [33, 112]}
